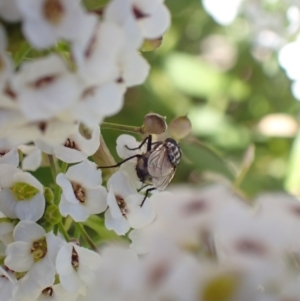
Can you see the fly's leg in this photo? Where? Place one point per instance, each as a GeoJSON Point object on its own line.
{"type": "Point", "coordinates": [120, 163]}
{"type": "Point", "coordinates": [143, 186]}
{"type": "Point", "coordinates": [148, 138]}
{"type": "Point", "coordinates": [146, 195]}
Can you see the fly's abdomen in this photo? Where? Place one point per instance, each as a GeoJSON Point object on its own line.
{"type": "Point", "coordinates": [142, 169]}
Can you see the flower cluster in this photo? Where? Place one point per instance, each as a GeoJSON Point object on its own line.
{"type": "Point", "coordinates": [206, 244]}
{"type": "Point", "coordinates": [79, 88]}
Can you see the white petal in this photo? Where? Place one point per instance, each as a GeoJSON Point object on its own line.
{"type": "Point", "coordinates": [68, 276]}
{"type": "Point", "coordinates": [138, 216]}
{"type": "Point", "coordinates": [31, 210]}
{"type": "Point", "coordinates": [32, 161]}
{"type": "Point", "coordinates": [155, 26]}
{"type": "Point", "coordinates": [121, 184]}
{"type": "Point", "coordinates": [85, 173]}
{"type": "Point", "coordinates": [68, 155]}
{"type": "Point", "coordinates": [6, 175]}
{"type": "Point", "coordinates": [8, 203]}
{"type": "Point", "coordinates": [28, 231]}
{"type": "Point", "coordinates": [114, 208]}
{"type": "Point", "coordinates": [120, 226]}
{"type": "Point", "coordinates": [19, 257]}
{"type": "Point", "coordinates": [77, 211]}
{"type": "Point", "coordinates": [54, 243]}
{"type": "Point", "coordinates": [96, 200]}
{"type": "Point", "coordinates": [135, 69]}
{"type": "Point", "coordinates": [129, 141]}
{"type": "Point", "coordinates": [12, 157]}
{"type": "Point", "coordinates": [66, 187]}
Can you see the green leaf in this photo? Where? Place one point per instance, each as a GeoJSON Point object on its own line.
{"type": "Point", "coordinates": [204, 158]}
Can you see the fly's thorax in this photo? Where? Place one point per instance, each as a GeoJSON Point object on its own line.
{"type": "Point", "coordinates": [173, 151]}
{"type": "Point", "coordinates": [142, 168]}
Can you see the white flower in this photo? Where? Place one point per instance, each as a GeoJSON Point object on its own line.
{"type": "Point", "coordinates": [76, 267]}
{"type": "Point", "coordinates": [21, 194]}
{"type": "Point", "coordinates": [46, 21]}
{"type": "Point", "coordinates": [76, 148]}
{"type": "Point", "coordinates": [98, 102]}
{"type": "Point", "coordinates": [33, 252]}
{"type": "Point", "coordinates": [124, 203]}
{"type": "Point", "coordinates": [46, 85]}
{"type": "Point", "coordinates": [97, 57]}
{"type": "Point", "coordinates": [139, 18]}
{"type": "Point", "coordinates": [82, 193]}
{"type": "Point", "coordinates": [9, 10]}
{"type": "Point", "coordinates": [134, 69]}
{"type": "Point", "coordinates": [124, 141]}
{"type": "Point", "coordinates": [18, 130]}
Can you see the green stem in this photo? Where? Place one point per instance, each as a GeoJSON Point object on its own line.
{"type": "Point", "coordinates": [85, 236]}
{"type": "Point", "coordinates": [52, 167]}
{"type": "Point", "coordinates": [63, 231]}
{"type": "Point", "coordinates": [121, 127]}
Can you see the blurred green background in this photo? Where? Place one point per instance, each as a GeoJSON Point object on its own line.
{"type": "Point", "coordinates": [233, 100]}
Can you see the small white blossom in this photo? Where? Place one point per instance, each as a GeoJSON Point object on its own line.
{"type": "Point", "coordinates": [46, 21]}
{"type": "Point", "coordinates": [140, 19]}
{"type": "Point", "coordinates": [82, 193]}
{"type": "Point", "coordinates": [97, 57]}
{"type": "Point", "coordinates": [46, 85]}
{"type": "Point", "coordinates": [6, 229]}
{"type": "Point", "coordinates": [76, 148]}
{"type": "Point", "coordinates": [21, 194]}
{"type": "Point", "coordinates": [34, 252]}
{"type": "Point", "coordinates": [98, 102]}
{"type": "Point", "coordinates": [124, 205]}
{"type": "Point", "coordinates": [76, 267]}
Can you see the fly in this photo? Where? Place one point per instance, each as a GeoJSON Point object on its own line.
{"type": "Point", "coordinates": [157, 166]}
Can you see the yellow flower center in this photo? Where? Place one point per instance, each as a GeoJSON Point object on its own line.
{"type": "Point", "coordinates": [53, 11]}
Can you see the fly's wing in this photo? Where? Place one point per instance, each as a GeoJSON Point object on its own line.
{"type": "Point", "coordinates": [160, 168]}
{"type": "Point", "coordinates": [159, 164]}
{"type": "Point", "coordinates": [162, 182]}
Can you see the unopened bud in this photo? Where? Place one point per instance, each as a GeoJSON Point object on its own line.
{"type": "Point", "coordinates": [48, 194]}
{"type": "Point", "coordinates": [150, 45]}
{"type": "Point", "coordinates": [154, 124]}
{"type": "Point", "coordinates": [180, 127]}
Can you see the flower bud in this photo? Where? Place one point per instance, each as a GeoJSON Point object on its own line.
{"type": "Point", "coordinates": [48, 194]}
{"type": "Point", "coordinates": [180, 127]}
{"type": "Point", "coordinates": [52, 214]}
{"type": "Point", "coordinates": [154, 124]}
{"type": "Point", "coordinates": [150, 45]}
